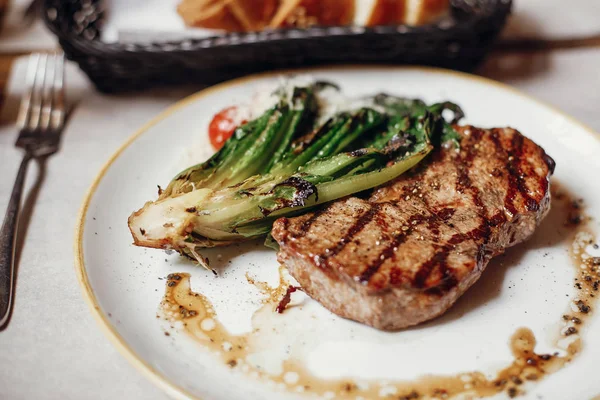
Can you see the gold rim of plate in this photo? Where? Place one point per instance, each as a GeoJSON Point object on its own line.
{"type": "Point", "coordinates": [88, 293]}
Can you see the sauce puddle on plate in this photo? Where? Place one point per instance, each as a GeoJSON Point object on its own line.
{"type": "Point", "coordinates": [198, 318]}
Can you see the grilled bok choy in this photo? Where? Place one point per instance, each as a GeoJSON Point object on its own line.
{"type": "Point", "coordinates": [283, 164]}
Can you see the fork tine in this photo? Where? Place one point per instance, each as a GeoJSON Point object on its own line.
{"type": "Point", "coordinates": [24, 108]}
{"type": "Point", "coordinates": [36, 98]}
{"type": "Point", "coordinates": [58, 96]}
{"type": "Point", "coordinates": [47, 92]}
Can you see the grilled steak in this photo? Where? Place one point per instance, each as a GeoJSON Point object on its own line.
{"type": "Point", "coordinates": [407, 254]}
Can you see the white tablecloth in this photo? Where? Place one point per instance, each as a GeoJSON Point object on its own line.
{"type": "Point", "coordinates": [53, 348]}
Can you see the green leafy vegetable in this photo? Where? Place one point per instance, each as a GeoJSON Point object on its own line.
{"type": "Point", "coordinates": [283, 164]}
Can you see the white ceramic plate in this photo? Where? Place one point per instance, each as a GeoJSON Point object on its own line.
{"type": "Point", "coordinates": [532, 286]}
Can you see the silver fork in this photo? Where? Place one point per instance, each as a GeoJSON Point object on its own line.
{"type": "Point", "coordinates": [40, 120]}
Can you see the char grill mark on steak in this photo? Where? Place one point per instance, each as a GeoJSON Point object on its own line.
{"type": "Point", "coordinates": [480, 232]}
{"type": "Point", "coordinates": [417, 235]}
{"type": "Point", "coordinates": [306, 224]}
{"type": "Point", "coordinates": [512, 173]}
{"type": "Point", "coordinates": [467, 187]}
{"type": "Point", "coordinates": [406, 254]}
{"type": "Point", "coordinates": [430, 180]}
{"type": "Point", "coordinates": [518, 169]}
{"type": "Point", "coordinates": [358, 226]}
{"type": "Point", "coordinates": [388, 252]}
{"type": "Point", "coordinates": [464, 183]}
{"type": "Point", "coordinates": [517, 181]}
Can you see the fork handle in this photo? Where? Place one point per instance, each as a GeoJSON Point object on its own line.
{"type": "Point", "coordinates": [8, 239]}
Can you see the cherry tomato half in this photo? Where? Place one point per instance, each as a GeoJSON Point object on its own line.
{"type": "Point", "coordinates": [222, 126]}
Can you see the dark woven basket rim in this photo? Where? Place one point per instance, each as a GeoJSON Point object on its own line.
{"type": "Point", "coordinates": [459, 41]}
{"type": "Point", "coordinates": [234, 39]}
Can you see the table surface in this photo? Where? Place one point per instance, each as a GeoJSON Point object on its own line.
{"type": "Point", "coordinates": [53, 348]}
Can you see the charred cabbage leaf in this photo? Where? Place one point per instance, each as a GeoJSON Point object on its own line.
{"type": "Point", "coordinates": [283, 164]}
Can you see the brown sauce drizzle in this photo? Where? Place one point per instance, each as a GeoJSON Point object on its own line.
{"type": "Point", "coordinates": [197, 315]}
{"type": "Point", "coordinates": [280, 295]}
{"type": "Point", "coordinates": [271, 295]}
